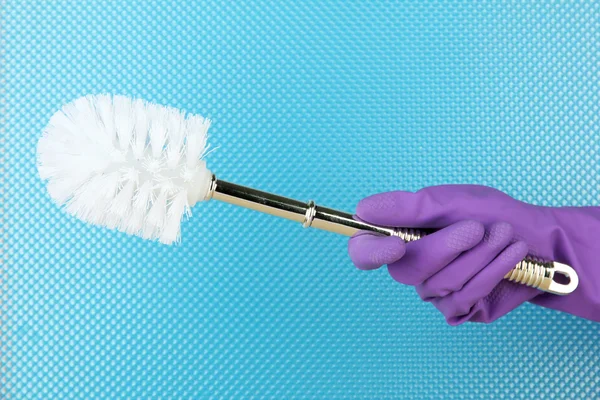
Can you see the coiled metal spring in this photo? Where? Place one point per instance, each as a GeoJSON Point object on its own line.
{"type": "Point", "coordinates": [409, 234]}
{"type": "Point", "coordinates": [531, 272]}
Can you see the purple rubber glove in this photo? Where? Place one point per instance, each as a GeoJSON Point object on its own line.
{"type": "Point", "coordinates": [481, 234]}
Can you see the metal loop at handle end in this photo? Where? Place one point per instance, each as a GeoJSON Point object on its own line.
{"type": "Point", "coordinates": [568, 272]}
{"type": "Point", "coordinates": [543, 276]}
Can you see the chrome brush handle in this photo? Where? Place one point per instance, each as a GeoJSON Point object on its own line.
{"type": "Point", "coordinates": [530, 271]}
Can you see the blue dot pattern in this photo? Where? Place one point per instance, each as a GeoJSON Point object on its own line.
{"type": "Point", "coordinates": [330, 101]}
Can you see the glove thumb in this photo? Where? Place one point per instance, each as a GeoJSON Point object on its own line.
{"type": "Point", "coordinates": [369, 251]}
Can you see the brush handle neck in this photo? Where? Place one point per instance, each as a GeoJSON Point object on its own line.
{"type": "Point", "coordinates": [308, 214]}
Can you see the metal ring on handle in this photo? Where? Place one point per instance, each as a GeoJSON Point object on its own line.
{"type": "Point", "coordinates": [309, 216]}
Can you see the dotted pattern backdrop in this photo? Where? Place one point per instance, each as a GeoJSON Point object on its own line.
{"type": "Point", "coordinates": [330, 101]}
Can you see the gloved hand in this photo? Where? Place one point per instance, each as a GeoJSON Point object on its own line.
{"type": "Point", "coordinates": [483, 233]}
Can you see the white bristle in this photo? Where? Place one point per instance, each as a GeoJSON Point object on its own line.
{"type": "Point", "coordinates": [60, 189]}
{"type": "Point", "coordinates": [84, 198]}
{"type": "Point", "coordinates": [158, 129]}
{"type": "Point", "coordinates": [86, 121]}
{"type": "Point", "coordinates": [176, 128]}
{"type": "Point", "coordinates": [196, 139]}
{"type": "Point", "coordinates": [119, 208]}
{"type": "Point", "coordinates": [179, 207]}
{"type": "Point", "coordinates": [126, 164]}
{"type": "Point", "coordinates": [156, 216]}
{"type": "Point", "coordinates": [107, 189]}
{"type": "Point", "coordinates": [124, 121]}
{"type": "Point", "coordinates": [106, 116]}
{"type": "Point", "coordinates": [141, 202]}
{"type": "Point", "coordinates": [140, 133]}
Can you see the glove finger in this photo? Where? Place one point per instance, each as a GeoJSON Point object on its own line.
{"type": "Point", "coordinates": [502, 299]}
{"type": "Point", "coordinates": [435, 206]}
{"type": "Point", "coordinates": [430, 254]}
{"type": "Point", "coordinates": [467, 265]}
{"type": "Point", "coordinates": [369, 251]}
{"type": "Point", "coordinates": [397, 208]}
{"type": "Point", "coordinates": [405, 209]}
{"type": "Point", "coordinates": [460, 303]}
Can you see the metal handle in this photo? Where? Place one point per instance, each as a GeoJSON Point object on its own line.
{"type": "Point", "coordinates": [531, 272]}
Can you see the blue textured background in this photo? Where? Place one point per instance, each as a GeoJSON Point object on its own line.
{"type": "Point", "coordinates": [330, 101]}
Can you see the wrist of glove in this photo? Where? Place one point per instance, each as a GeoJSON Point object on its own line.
{"type": "Point", "coordinates": [481, 234]}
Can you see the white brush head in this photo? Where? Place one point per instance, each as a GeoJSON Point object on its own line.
{"type": "Point", "coordinates": [126, 164]}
